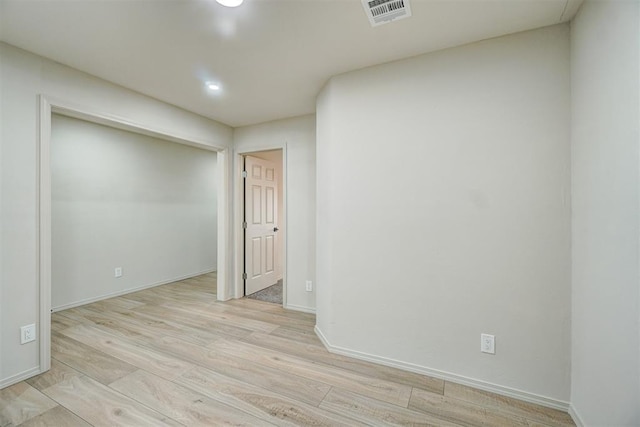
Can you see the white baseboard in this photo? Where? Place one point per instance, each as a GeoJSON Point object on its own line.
{"type": "Point", "coordinates": [575, 416]}
{"type": "Point", "coordinates": [448, 376]}
{"type": "Point", "coordinates": [126, 291]}
{"type": "Point", "coordinates": [6, 382]}
{"type": "Point", "coordinates": [300, 308]}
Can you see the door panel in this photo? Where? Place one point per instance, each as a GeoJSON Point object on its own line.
{"type": "Point", "coordinates": [270, 216]}
{"type": "Point", "coordinates": [269, 254]}
{"type": "Point", "coordinates": [256, 257]}
{"type": "Point", "coordinates": [261, 213]}
{"type": "Point", "coordinates": [256, 191]}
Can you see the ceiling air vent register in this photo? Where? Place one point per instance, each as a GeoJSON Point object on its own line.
{"type": "Point", "coordinates": [384, 11]}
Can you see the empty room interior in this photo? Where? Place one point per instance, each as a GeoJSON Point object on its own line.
{"type": "Point", "coordinates": [165, 165]}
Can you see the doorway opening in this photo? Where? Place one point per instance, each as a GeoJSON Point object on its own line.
{"type": "Point", "coordinates": [141, 205]}
{"type": "Point", "coordinates": [48, 107]}
{"type": "Point", "coordinates": [262, 237]}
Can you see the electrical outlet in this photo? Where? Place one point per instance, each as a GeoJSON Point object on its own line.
{"type": "Point", "coordinates": [27, 333]}
{"type": "Point", "coordinates": [488, 343]}
{"type": "Point", "coordinates": [118, 272]}
{"type": "Point", "coordinates": [309, 286]}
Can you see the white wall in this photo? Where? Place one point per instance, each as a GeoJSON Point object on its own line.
{"type": "Point", "coordinates": [443, 211]}
{"type": "Point", "coordinates": [22, 77]}
{"type": "Point", "coordinates": [121, 199]}
{"type": "Point", "coordinates": [605, 93]}
{"type": "Point", "coordinates": [298, 134]}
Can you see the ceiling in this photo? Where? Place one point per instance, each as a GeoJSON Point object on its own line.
{"type": "Point", "coordinates": [271, 57]}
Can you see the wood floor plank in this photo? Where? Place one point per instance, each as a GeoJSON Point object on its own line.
{"type": "Point", "coordinates": [21, 402]}
{"type": "Point", "coordinates": [461, 412]}
{"type": "Point", "coordinates": [59, 322]}
{"type": "Point", "coordinates": [175, 292]}
{"type": "Point", "coordinates": [180, 403]}
{"type": "Point", "coordinates": [269, 307]}
{"type": "Point", "coordinates": [183, 314]}
{"type": "Point", "coordinates": [203, 283]}
{"type": "Point", "coordinates": [253, 305]}
{"type": "Point", "coordinates": [278, 308]}
{"type": "Point", "coordinates": [291, 319]}
{"type": "Point", "coordinates": [191, 297]}
{"type": "Point", "coordinates": [297, 335]}
{"type": "Point", "coordinates": [56, 417]}
{"type": "Point", "coordinates": [547, 416]}
{"type": "Point", "coordinates": [108, 319]}
{"type": "Point", "coordinates": [320, 354]}
{"type": "Point", "coordinates": [300, 388]}
{"type": "Point", "coordinates": [83, 358]}
{"type": "Point", "coordinates": [192, 323]}
{"type": "Point", "coordinates": [119, 302]}
{"type": "Point", "coordinates": [375, 412]}
{"type": "Point", "coordinates": [259, 401]}
{"type": "Point", "coordinates": [384, 390]}
{"type": "Point", "coordinates": [58, 373]}
{"type": "Point", "coordinates": [102, 406]}
{"type": "Point", "coordinates": [201, 332]}
{"type": "Point", "coordinates": [166, 366]}
{"type": "Point", "coordinates": [143, 326]}
{"type": "Point", "coordinates": [146, 298]}
{"type": "Point", "coordinates": [89, 315]}
{"type": "Point", "coordinates": [532, 423]}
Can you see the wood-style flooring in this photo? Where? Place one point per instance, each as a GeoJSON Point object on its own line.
{"type": "Point", "coordinates": [173, 355]}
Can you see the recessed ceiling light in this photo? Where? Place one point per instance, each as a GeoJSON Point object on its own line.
{"type": "Point", "coordinates": [230, 3]}
{"type": "Point", "coordinates": [213, 86]}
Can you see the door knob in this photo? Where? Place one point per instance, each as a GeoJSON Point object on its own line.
{"type": "Point", "coordinates": [275, 229]}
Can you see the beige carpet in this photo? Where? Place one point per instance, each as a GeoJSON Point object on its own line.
{"type": "Point", "coordinates": [271, 294]}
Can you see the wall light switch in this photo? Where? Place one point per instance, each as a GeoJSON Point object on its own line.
{"type": "Point", "coordinates": [488, 343]}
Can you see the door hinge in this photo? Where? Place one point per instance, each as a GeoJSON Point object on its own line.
{"type": "Point", "coordinates": [244, 225]}
{"type": "Point", "coordinates": [244, 276]}
{"type": "Point", "coordinates": [244, 174]}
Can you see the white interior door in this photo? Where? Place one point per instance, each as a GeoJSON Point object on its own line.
{"type": "Point", "coordinates": [261, 214]}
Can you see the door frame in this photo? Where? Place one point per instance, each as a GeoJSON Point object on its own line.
{"type": "Point", "coordinates": [48, 106]}
{"type": "Point", "coordinates": [238, 204]}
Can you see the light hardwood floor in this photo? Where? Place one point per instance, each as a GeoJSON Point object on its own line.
{"type": "Point", "coordinates": [173, 355]}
